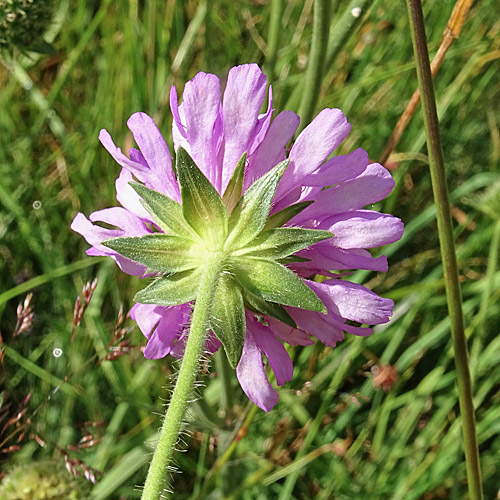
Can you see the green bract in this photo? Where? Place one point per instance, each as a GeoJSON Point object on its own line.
{"type": "Point", "coordinates": [252, 247]}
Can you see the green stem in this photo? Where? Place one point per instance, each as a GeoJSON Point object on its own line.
{"type": "Point", "coordinates": [273, 39]}
{"type": "Point", "coordinates": [343, 29]}
{"type": "Point", "coordinates": [224, 369]}
{"type": "Point", "coordinates": [445, 230]}
{"type": "Point", "coordinates": [317, 56]}
{"type": "Point", "coordinates": [187, 375]}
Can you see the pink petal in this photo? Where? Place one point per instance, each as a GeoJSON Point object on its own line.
{"type": "Point", "coordinates": [313, 146]}
{"type": "Point", "coordinates": [272, 149]}
{"type": "Point", "coordinates": [180, 346]}
{"type": "Point", "coordinates": [179, 132]}
{"type": "Point", "coordinates": [291, 336]}
{"type": "Point", "coordinates": [262, 126]}
{"type": "Point", "coordinates": [172, 322]}
{"type": "Point", "coordinates": [360, 331]}
{"type": "Point", "coordinates": [129, 223]}
{"type": "Point", "coordinates": [135, 168]}
{"type": "Point", "coordinates": [362, 229]}
{"type": "Point", "coordinates": [212, 344]}
{"type": "Point", "coordinates": [306, 269]}
{"type": "Point", "coordinates": [338, 169]}
{"type": "Point", "coordinates": [137, 156]}
{"type": "Point", "coordinates": [252, 376]}
{"type": "Point", "coordinates": [129, 266]}
{"type": "Point", "coordinates": [374, 184]}
{"type": "Point", "coordinates": [279, 359]}
{"type": "Point", "coordinates": [155, 151]}
{"type": "Point", "coordinates": [94, 235]}
{"type": "Point", "coordinates": [352, 301]}
{"type": "Point", "coordinates": [293, 196]}
{"type": "Point", "coordinates": [331, 258]}
{"type": "Point", "coordinates": [174, 107]}
{"type": "Point", "coordinates": [201, 104]}
{"type": "Point", "coordinates": [243, 97]}
{"type": "Point", "coordinates": [146, 316]}
{"type": "Point", "coordinates": [317, 324]}
{"type": "Point", "coordinates": [127, 197]}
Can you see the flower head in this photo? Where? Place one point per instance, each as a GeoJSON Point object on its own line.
{"type": "Point", "coordinates": [23, 22]}
{"type": "Point", "coordinates": [268, 217]}
{"type": "Point", "coordinates": [41, 481]}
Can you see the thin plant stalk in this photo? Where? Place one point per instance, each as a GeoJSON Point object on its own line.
{"type": "Point", "coordinates": [273, 38]}
{"type": "Point", "coordinates": [317, 57]}
{"type": "Point", "coordinates": [447, 245]}
{"type": "Point", "coordinates": [344, 28]}
{"type": "Point", "coordinates": [155, 481]}
{"type": "Point", "coordinates": [340, 31]}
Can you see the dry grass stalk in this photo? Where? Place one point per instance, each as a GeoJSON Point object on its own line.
{"type": "Point", "coordinates": [81, 305]}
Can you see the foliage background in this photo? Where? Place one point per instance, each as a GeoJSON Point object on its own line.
{"type": "Point", "coordinates": [333, 435]}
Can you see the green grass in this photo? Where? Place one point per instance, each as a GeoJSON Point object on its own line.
{"type": "Point", "coordinates": [333, 435]}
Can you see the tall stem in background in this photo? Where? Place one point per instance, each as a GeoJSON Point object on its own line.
{"type": "Point", "coordinates": [273, 39]}
{"type": "Point", "coordinates": [445, 230]}
{"type": "Point", "coordinates": [317, 58]}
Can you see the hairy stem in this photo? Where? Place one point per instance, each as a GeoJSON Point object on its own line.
{"type": "Point", "coordinates": [169, 433]}
{"type": "Point", "coordinates": [445, 230]}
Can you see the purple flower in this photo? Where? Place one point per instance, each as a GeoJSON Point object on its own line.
{"type": "Point", "coordinates": [216, 134]}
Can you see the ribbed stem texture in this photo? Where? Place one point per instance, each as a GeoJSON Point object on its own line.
{"type": "Point", "coordinates": [317, 58]}
{"type": "Point", "coordinates": [445, 230]}
{"type": "Point", "coordinates": [155, 481]}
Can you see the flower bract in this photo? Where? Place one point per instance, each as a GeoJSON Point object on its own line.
{"type": "Point", "coordinates": [275, 221]}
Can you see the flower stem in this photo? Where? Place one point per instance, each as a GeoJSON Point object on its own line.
{"type": "Point", "coordinates": [169, 433]}
{"type": "Point", "coordinates": [445, 230]}
{"type": "Point", "coordinates": [317, 57]}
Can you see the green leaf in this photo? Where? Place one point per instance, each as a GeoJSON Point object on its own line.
{"type": "Point", "coordinates": [158, 252]}
{"type": "Point", "coordinates": [276, 283]}
{"type": "Point", "coordinates": [268, 308]}
{"type": "Point", "coordinates": [234, 188]}
{"type": "Point", "coordinates": [228, 322]}
{"type": "Point", "coordinates": [166, 212]}
{"type": "Point", "coordinates": [250, 214]}
{"type": "Point", "coordinates": [171, 290]}
{"type": "Point", "coordinates": [283, 216]}
{"type": "Point", "coordinates": [202, 206]}
{"type": "Point", "coordinates": [281, 242]}
{"type": "Point", "coordinates": [43, 47]}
